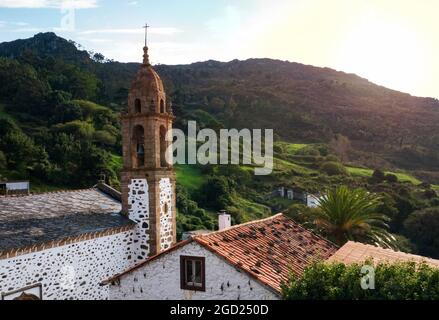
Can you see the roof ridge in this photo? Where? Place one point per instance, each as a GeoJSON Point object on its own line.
{"type": "Point", "coordinates": [240, 225]}
{"type": "Point", "coordinates": [413, 255]}
{"type": "Point", "coordinates": [45, 192]}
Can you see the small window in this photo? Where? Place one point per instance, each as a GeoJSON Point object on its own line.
{"type": "Point", "coordinates": [192, 273]}
{"type": "Point", "coordinates": [162, 106]}
{"type": "Point", "coordinates": [137, 106]}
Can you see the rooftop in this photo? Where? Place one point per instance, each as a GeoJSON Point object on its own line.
{"type": "Point", "coordinates": [36, 219]}
{"type": "Point", "coordinates": [269, 249]}
{"type": "Point", "coordinates": [266, 249]}
{"type": "Point", "coordinates": [355, 252]}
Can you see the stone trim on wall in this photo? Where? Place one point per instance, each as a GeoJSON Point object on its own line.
{"type": "Point", "coordinates": [12, 253]}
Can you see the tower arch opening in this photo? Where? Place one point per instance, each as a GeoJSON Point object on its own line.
{"type": "Point", "coordinates": [162, 106]}
{"type": "Point", "coordinates": [163, 147]}
{"type": "Point", "coordinates": [137, 106]}
{"type": "Point", "coordinates": [138, 146]}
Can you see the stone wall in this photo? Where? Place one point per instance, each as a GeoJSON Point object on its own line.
{"type": "Point", "coordinates": [160, 279]}
{"type": "Point", "coordinates": [138, 199]}
{"type": "Point", "coordinates": [72, 271]}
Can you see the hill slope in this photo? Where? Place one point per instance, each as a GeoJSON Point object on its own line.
{"type": "Point", "coordinates": [59, 127]}
{"type": "Point", "coordinates": [302, 103]}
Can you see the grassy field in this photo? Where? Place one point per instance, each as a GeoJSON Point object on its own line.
{"type": "Point", "coordinates": [189, 177]}
{"type": "Point", "coordinates": [363, 172]}
{"type": "Point", "coordinates": [282, 165]}
{"type": "Point", "coordinates": [250, 210]}
{"type": "Point", "coordinates": [291, 148]}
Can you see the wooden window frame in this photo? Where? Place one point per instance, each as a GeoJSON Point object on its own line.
{"type": "Point", "coordinates": [23, 290]}
{"type": "Point", "coordinates": [183, 282]}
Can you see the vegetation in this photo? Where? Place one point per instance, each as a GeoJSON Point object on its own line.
{"type": "Point", "coordinates": [337, 281]}
{"type": "Point", "coordinates": [59, 127]}
{"type": "Point", "coordinates": [347, 214]}
{"type": "Point", "coordinates": [423, 227]}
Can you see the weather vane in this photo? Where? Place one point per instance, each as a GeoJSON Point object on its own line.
{"type": "Point", "coordinates": [146, 33]}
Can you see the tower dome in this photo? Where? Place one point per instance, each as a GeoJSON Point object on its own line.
{"type": "Point", "coordinates": [147, 94]}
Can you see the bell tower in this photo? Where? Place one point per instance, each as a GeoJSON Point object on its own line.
{"type": "Point", "coordinates": [148, 180]}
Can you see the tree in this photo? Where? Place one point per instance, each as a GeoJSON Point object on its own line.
{"type": "Point", "coordinates": [422, 227]}
{"type": "Point", "coordinates": [378, 176]}
{"type": "Point", "coordinates": [333, 168]}
{"type": "Point", "coordinates": [336, 281]}
{"type": "Point", "coordinates": [217, 192]}
{"type": "Point", "coordinates": [390, 177]}
{"type": "Point", "coordinates": [351, 214]}
{"type": "Point", "coordinates": [341, 146]}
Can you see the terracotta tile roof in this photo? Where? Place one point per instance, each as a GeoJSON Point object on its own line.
{"type": "Point", "coordinates": [268, 249]}
{"type": "Point", "coordinates": [355, 252]}
{"type": "Point", "coordinates": [35, 219]}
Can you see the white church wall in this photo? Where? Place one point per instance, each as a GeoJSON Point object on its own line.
{"type": "Point", "coordinates": [72, 271]}
{"type": "Point", "coordinates": [138, 199]}
{"type": "Point", "coordinates": [160, 280]}
{"type": "Point", "coordinates": [165, 213]}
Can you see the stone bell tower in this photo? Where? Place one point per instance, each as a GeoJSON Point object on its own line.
{"type": "Point", "coordinates": [148, 180]}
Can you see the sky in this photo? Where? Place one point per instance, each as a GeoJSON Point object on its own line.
{"type": "Point", "coordinates": [394, 43]}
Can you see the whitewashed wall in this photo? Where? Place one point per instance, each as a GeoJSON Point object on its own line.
{"type": "Point", "coordinates": [72, 271]}
{"type": "Point", "coordinates": [138, 199]}
{"type": "Point", "coordinates": [160, 280]}
{"type": "Point", "coordinates": [166, 234]}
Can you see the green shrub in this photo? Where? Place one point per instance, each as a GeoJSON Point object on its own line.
{"type": "Point", "coordinates": [332, 158]}
{"type": "Point", "coordinates": [333, 168]}
{"type": "Point", "coordinates": [378, 176]}
{"type": "Point", "coordinates": [390, 177]}
{"type": "Point", "coordinates": [422, 227]}
{"type": "Point", "coordinates": [337, 281]}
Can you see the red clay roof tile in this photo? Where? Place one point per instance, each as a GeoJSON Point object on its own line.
{"type": "Point", "coordinates": [268, 249]}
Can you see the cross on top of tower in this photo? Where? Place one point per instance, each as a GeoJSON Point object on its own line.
{"type": "Point", "coordinates": [145, 48]}
{"type": "Point", "coordinates": [146, 33]}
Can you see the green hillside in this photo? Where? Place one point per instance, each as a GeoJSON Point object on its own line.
{"type": "Point", "coordinates": [59, 128]}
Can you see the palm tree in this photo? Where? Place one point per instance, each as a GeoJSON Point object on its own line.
{"type": "Point", "coordinates": [351, 214]}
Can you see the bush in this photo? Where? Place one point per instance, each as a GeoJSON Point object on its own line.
{"type": "Point", "coordinates": [378, 176]}
{"type": "Point", "coordinates": [333, 168]}
{"type": "Point", "coordinates": [422, 227]}
{"type": "Point", "coordinates": [336, 281]}
{"type": "Point", "coordinates": [332, 158]}
{"type": "Point", "coordinates": [390, 177]}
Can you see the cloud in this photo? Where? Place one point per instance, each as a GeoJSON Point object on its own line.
{"type": "Point", "coordinates": [20, 24]}
{"type": "Point", "coordinates": [159, 31]}
{"type": "Point", "coordinates": [57, 4]}
{"type": "Point", "coordinates": [30, 29]}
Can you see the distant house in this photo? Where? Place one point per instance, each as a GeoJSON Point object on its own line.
{"type": "Point", "coordinates": [14, 187]}
{"type": "Point", "coordinates": [313, 200]}
{"type": "Point", "coordinates": [247, 261]}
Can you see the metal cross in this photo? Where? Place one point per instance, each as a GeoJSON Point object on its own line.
{"type": "Point", "coordinates": [146, 33]}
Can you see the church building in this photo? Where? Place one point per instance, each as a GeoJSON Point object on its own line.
{"type": "Point", "coordinates": [62, 245]}
{"type": "Point", "coordinates": [100, 243]}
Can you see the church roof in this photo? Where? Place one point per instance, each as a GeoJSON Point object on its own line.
{"type": "Point", "coordinates": [267, 250]}
{"type": "Point", "coordinates": [355, 252]}
{"type": "Point", "coordinates": [27, 222]}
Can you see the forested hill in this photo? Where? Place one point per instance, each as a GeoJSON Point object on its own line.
{"type": "Point", "coordinates": [379, 127]}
